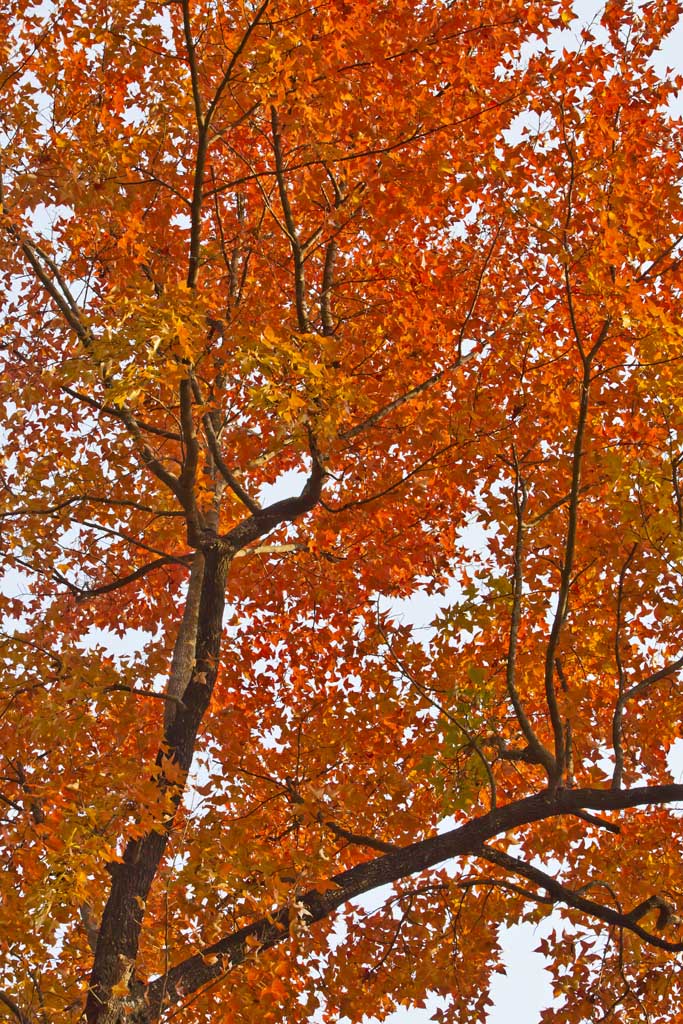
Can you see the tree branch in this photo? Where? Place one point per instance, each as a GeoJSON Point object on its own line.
{"type": "Point", "coordinates": [85, 593]}
{"type": "Point", "coordinates": [358, 840]}
{"type": "Point", "coordinates": [539, 753]}
{"type": "Point", "coordinates": [616, 719]}
{"type": "Point", "coordinates": [188, 475]}
{"type": "Point", "coordinates": [572, 898]}
{"type": "Point", "coordinates": [60, 296]}
{"type": "Point", "coordinates": [423, 691]}
{"type": "Point", "coordinates": [14, 1009]}
{"type": "Point", "coordinates": [239, 50]}
{"type": "Point", "coordinates": [229, 477]}
{"type": "Point", "coordinates": [326, 291]}
{"type": "Point", "coordinates": [216, 960]}
{"type": "Point", "coordinates": [117, 413]}
{"type": "Point", "coordinates": [385, 410]}
{"type": "Point", "coordinates": [634, 691]}
{"type": "Point", "coordinates": [203, 125]}
{"type": "Point", "coordinates": [266, 519]}
{"type": "Point", "coordinates": [292, 233]}
{"type": "Point", "coordinates": [192, 63]}
{"type": "Point", "coordinates": [570, 542]}
{"type": "Point", "coordinates": [148, 457]}
{"type": "Point", "coordinates": [86, 499]}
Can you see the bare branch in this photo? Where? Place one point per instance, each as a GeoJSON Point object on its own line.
{"type": "Point", "coordinates": [148, 457]}
{"type": "Point", "coordinates": [58, 295]}
{"type": "Point", "coordinates": [569, 548]}
{"type": "Point", "coordinates": [595, 819]}
{"type": "Point", "coordinates": [616, 720]}
{"type": "Point", "coordinates": [129, 539]}
{"type": "Point", "coordinates": [326, 292]}
{"type": "Point", "coordinates": [266, 519]}
{"type": "Point", "coordinates": [424, 692]}
{"type": "Point", "coordinates": [118, 413]}
{"type": "Point", "coordinates": [85, 593]}
{"type": "Point", "coordinates": [192, 63]}
{"type": "Point", "coordinates": [658, 259]}
{"type": "Point", "coordinates": [270, 549]}
{"type": "Point", "coordinates": [239, 50]}
{"type": "Point", "coordinates": [396, 403]}
{"type": "Point", "coordinates": [203, 125]}
{"type": "Point", "coordinates": [188, 475]}
{"type": "Point", "coordinates": [394, 486]}
{"type": "Point", "coordinates": [121, 688]}
{"type": "Point", "coordinates": [86, 499]}
{"type": "Point", "coordinates": [359, 840]}
{"type": "Point", "coordinates": [183, 657]}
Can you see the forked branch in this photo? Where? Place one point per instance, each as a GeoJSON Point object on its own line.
{"type": "Point", "coordinates": [263, 520]}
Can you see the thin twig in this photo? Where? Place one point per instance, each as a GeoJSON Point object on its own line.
{"type": "Point", "coordinates": [635, 691]}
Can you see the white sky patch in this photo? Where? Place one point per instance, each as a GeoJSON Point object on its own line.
{"type": "Point", "coordinates": [288, 485]}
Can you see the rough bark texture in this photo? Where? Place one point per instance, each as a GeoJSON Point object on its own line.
{"type": "Point", "coordinates": [119, 935]}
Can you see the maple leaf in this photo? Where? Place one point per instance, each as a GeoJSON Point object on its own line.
{"type": "Point", "coordinates": [342, 508]}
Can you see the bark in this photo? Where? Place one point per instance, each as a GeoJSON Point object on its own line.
{"type": "Point", "coordinates": [186, 642]}
{"type": "Point", "coordinates": [114, 990]}
{"type": "Point", "coordinates": [132, 878]}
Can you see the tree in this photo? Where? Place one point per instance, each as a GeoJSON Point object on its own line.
{"type": "Point", "coordinates": [418, 266]}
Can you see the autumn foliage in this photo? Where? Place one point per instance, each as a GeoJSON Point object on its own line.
{"type": "Point", "coordinates": [323, 324]}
